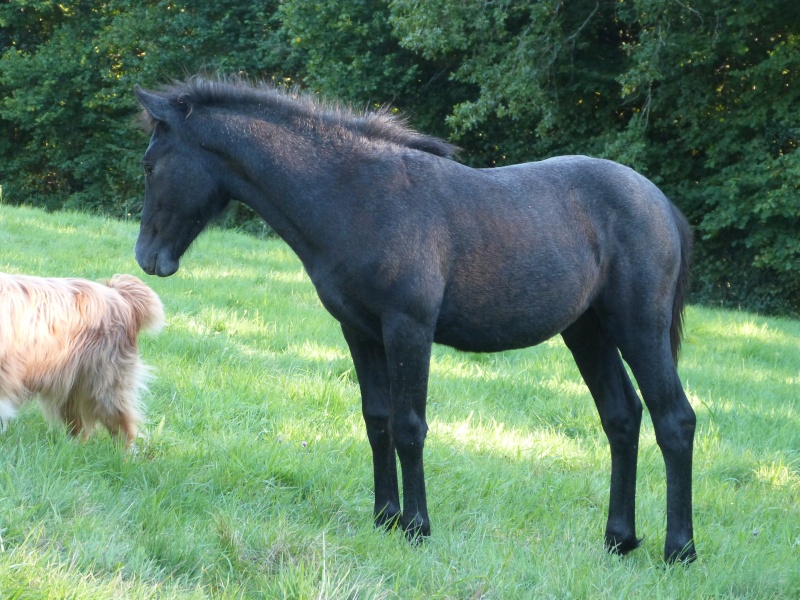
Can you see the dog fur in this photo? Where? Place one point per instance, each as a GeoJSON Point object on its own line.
{"type": "Point", "coordinates": [72, 344]}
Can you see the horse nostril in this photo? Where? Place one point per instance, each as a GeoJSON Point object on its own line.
{"type": "Point", "coordinates": [165, 265]}
{"type": "Point", "coordinates": [148, 265]}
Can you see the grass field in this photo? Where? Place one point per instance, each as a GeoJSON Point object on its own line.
{"type": "Point", "coordinates": [253, 478]}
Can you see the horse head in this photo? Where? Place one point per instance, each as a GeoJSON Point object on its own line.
{"type": "Point", "coordinates": [183, 189]}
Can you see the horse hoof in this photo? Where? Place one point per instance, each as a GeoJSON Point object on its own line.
{"type": "Point", "coordinates": [417, 529]}
{"type": "Point", "coordinates": [387, 519]}
{"type": "Point", "coordinates": [622, 546]}
{"type": "Point", "coordinates": [686, 554]}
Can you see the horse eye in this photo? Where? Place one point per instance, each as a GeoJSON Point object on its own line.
{"type": "Point", "coordinates": [148, 169]}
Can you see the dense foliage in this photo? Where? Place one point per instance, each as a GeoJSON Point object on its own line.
{"type": "Point", "coordinates": [701, 97]}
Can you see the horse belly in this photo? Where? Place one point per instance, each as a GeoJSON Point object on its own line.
{"type": "Point", "coordinates": [493, 328]}
{"type": "Point", "coordinates": [516, 294]}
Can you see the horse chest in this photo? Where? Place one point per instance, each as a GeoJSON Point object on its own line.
{"type": "Point", "coordinates": [345, 306]}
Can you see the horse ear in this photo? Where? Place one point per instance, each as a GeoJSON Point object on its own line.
{"type": "Point", "coordinates": [157, 106]}
{"type": "Point", "coordinates": [185, 102]}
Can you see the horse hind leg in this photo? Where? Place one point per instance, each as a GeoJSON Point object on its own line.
{"type": "Point", "coordinates": [647, 349]}
{"type": "Point", "coordinates": [620, 414]}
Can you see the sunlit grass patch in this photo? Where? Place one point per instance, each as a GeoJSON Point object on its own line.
{"type": "Point", "coordinates": [498, 439]}
{"type": "Point", "coordinates": [253, 478]}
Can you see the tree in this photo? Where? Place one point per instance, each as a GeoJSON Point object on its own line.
{"type": "Point", "coordinates": [703, 99]}
{"type": "Point", "coordinates": [68, 136]}
{"type": "Point", "coordinates": [347, 51]}
{"type": "Point", "coordinates": [723, 135]}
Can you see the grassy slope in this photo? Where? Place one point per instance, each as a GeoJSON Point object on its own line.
{"type": "Point", "coordinates": [254, 479]}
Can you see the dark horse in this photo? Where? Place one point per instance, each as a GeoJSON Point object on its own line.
{"type": "Point", "coordinates": [407, 247]}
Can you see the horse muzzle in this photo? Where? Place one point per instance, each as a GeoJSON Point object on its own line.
{"type": "Point", "coordinates": [158, 263]}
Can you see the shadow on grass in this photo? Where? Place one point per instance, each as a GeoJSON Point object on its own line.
{"type": "Point", "coordinates": [262, 446]}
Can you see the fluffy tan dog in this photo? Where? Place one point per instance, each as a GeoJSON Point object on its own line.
{"type": "Point", "coordinates": [72, 344]}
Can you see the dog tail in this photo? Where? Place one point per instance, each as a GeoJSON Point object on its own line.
{"type": "Point", "coordinates": [147, 307]}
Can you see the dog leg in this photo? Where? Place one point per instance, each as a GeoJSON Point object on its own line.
{"type": "Point", "coordinates": [122, 427]}
{"type": "Point", "coordinates": [7, 412]}
{"type": "Point", "coordinates": [77, 429]}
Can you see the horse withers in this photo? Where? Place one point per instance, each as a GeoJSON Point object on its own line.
{"type": "Point", "coordinates": [407, 247]}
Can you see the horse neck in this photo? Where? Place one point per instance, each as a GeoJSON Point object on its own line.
{"type": "Point", "coordinates": [282, 174]}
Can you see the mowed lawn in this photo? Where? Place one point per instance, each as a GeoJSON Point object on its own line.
{"type": "Point", "coordinates": [253, 478]}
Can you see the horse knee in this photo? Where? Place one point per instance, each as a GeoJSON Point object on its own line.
{"type": "Point", "coordinates": [378, 431]}
{"type": "Point", "coordinates": [409, 433]}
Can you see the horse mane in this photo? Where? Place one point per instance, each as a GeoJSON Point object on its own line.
{"type": "Point", "coordinates": [237, 93]}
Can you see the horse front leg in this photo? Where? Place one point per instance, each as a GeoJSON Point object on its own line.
{"type": "Point", "coordinates": [369, 359]}
{"type": "Point", "coordinates": [408, 351]}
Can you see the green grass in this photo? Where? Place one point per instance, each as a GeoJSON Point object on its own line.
{"type": "Point", "coordinates": [253, 478]}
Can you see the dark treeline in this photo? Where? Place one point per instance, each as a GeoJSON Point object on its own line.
{"type": "Point", "coordinates": [702, 97]}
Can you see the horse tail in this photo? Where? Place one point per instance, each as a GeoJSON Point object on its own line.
{"type": "Point", "coordinates": [682, 285]}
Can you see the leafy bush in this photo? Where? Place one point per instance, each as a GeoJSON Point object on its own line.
{"type": "Point", "coordinates": [703, 100]}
